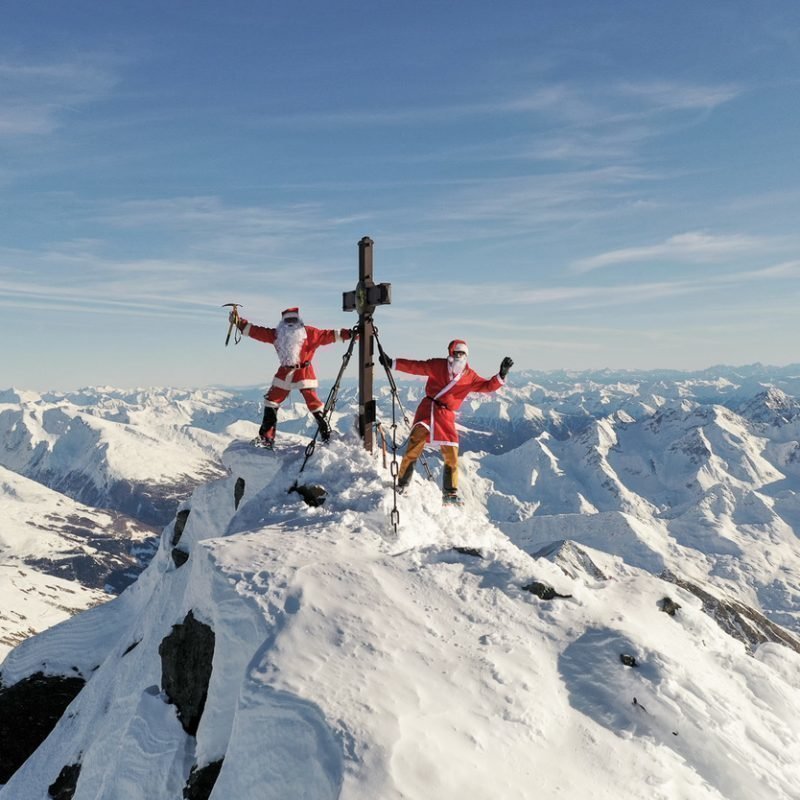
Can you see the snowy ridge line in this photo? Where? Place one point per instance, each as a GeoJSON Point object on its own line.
{"type": "Point", "coordinates": [349, 664]}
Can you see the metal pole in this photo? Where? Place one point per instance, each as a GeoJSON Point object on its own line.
{"type": "Point", "coordinates": [366, 402]}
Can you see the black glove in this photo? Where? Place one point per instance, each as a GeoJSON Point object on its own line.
{"type": "Point", "coordinates": [384, 360]}
{"type": "Point", "coordinates": [505, 366]}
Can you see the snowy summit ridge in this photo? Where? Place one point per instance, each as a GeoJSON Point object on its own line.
{"type": "Point", "coordinates": [279, 651]}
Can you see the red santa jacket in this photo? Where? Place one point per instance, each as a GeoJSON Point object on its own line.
{"type": "Point", "coordinates": [444, 395]}
{"type": "Point", "coordinates": [300, 375]}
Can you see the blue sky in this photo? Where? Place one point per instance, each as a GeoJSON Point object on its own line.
{"type": "Point", "coordinates": [577, 185]}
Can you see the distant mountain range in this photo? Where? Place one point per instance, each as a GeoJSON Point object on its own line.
{"type": "Point", "coordinates": [615, 610]}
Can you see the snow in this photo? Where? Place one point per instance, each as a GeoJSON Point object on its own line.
{"type": "Point", "coordinates": [355, 662]}
{"type": "Point", "coordinates": [40, 526]}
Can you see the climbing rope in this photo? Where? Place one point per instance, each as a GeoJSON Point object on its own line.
{"type": "Point", "coordinates": [330, 403]}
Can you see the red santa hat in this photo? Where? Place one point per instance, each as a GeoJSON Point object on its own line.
{"type": "Point", "coordinates": [291, 313]}
{"type": "Point", "coordinates": [457, 345]}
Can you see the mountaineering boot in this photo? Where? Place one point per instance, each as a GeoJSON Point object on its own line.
{"type": "Point", "coordinates": [450, 498]}
{"type": "Point", "coordinates": [322, 424]}
{"type": "Point", "coordinates": [266, 433]}
{"type": "Point", "coordinates": [404, 480]}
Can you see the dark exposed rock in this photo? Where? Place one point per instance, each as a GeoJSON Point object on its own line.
{"type": "Point", "coordinates": [668, 606]}
{"type": "Point", "coordinates": [737, 619]}
{"type": "Point", "coordinates": [63, 788]}
{"type": "Point", "coordinates": [628, 660]}
{"type": "Point", "coordinates": [186, 663]}
{"type": "Point", "coordinates": [312, 495]}
{"type": "Point", "coordinates": [238, 492]}
{"type": "Point", "coordinates": [180, 524]}
{"type": "Point", "coordinates": [542, 590]}
{"type": "Point", "coordinates": [201, 781]}
{"type": "Point", "coordinates": [130, 647]}
{"type": "Point", "coordinates": [180, 557]}
{"type": "Point", "coordinates": [29, 710]}
{"type": "Point", "coordinates": [469, 551]}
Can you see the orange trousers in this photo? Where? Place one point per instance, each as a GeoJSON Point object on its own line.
{"type": "Point", "coordinates": [416, 444]}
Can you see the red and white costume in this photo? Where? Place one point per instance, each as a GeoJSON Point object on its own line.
{"type": "Point", "coordinates": [445, 392]}
{"type": "Point", "coordinates": [296, 346]}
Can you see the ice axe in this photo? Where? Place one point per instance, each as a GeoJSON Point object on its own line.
{"type": "Point", "coordinates": [235, 321]}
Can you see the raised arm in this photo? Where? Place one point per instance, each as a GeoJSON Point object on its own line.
{"type": "Point", "coordinates": [413, 367]}
{"type": "Point", "coordinates": [257, 331]}
{"type": "Point", "coordinates": [329, 336]}
{"type": "Point", "coordinates": [492, 384]}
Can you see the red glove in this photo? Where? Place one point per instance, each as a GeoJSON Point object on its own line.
{"type": "Point", "coordinates": [346, 334]}
{"type": "Point", "coordinates": [242, 323]}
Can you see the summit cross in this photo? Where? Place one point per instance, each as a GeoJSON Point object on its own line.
{"type": "Point", "coordinates": [366, 297]}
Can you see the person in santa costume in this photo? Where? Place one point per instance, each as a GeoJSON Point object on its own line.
{"type": "Point", "coordinates": [296, 344]}
{"type": "Point", "coordinates": [450, 380]}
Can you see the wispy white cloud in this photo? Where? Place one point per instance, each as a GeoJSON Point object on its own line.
{"type": "Point", "coordinates": [287, 231]}
{"type": "Point", "coordinates": [36, 98]}
{"type": "Point", "coordinates": [562, 102]}
{"type": "Point", "coordinates": [694, 246]}
{"type": "Point", "coordinates": [493, 295]}
{"type": "Point", "coordinates": [675, 96]}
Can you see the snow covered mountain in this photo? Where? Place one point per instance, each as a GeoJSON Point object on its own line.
{"type": "Point", "coordinates": [136, 452]}
{"type": "Point", "coordinates": [614, 612]}
{"type": "Point", "coordinates": [296, 652]}
{"type": "Point", "coordinates": [58, 556]}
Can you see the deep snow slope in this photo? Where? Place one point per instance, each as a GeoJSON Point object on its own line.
{"type": "Point", "coordinates": [58, 557]}
{"type": "Point", "coordinates": [352, 663]}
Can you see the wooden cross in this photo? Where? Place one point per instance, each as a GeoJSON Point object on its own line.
{"type": "Point", "coordinates": [364, 299]}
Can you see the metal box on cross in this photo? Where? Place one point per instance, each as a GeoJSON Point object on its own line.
{"type": "Point", "coordinates": [363, 300]}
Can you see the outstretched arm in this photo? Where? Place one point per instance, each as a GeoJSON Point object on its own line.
{"type": "Point", "coordinates": [255, 331]}
{"type": "Point", "coordinates": [330, 336]}
{"type": "Point", "coordinates": [413, 367]}
{"type": "Point", "coordinates": [492, 384]}
{"type": "Point", "coordinates": [258, 332]}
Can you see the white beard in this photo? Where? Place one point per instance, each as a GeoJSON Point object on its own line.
{"type": "Point", "coordinates": [289, 341]}
{"type": "Point", "coordinates": [456, 366]}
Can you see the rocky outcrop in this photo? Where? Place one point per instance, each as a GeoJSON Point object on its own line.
{"type": "Point", "coordinates": [573, 561]}
{"type": "Point", "coordinates": [238, 492]}
{"type": "Point", "coordinates": [186, 664]}
{"type": "Point", "coordinates": [180, 524]}
{"type": "Point", "coordinates": [737, 619]}
{"type": "Point", "coordinates": [201, 781]}
{"type": "Point", "coordinates": [29, 710]}
{"type": "Point", "coordinates": [63, 788]}
{"type": "Point", "coordinates": [543, 591]}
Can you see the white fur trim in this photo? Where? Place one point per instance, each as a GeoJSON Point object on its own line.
{"type": "Point", "coordinates": [246, 329]}
{"type": "Point", "coordinates": [439, 444]}
{"type": "Point", "coordinates": [309, 383]}
{"type": "Point", "coordinates": [271, 404]}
